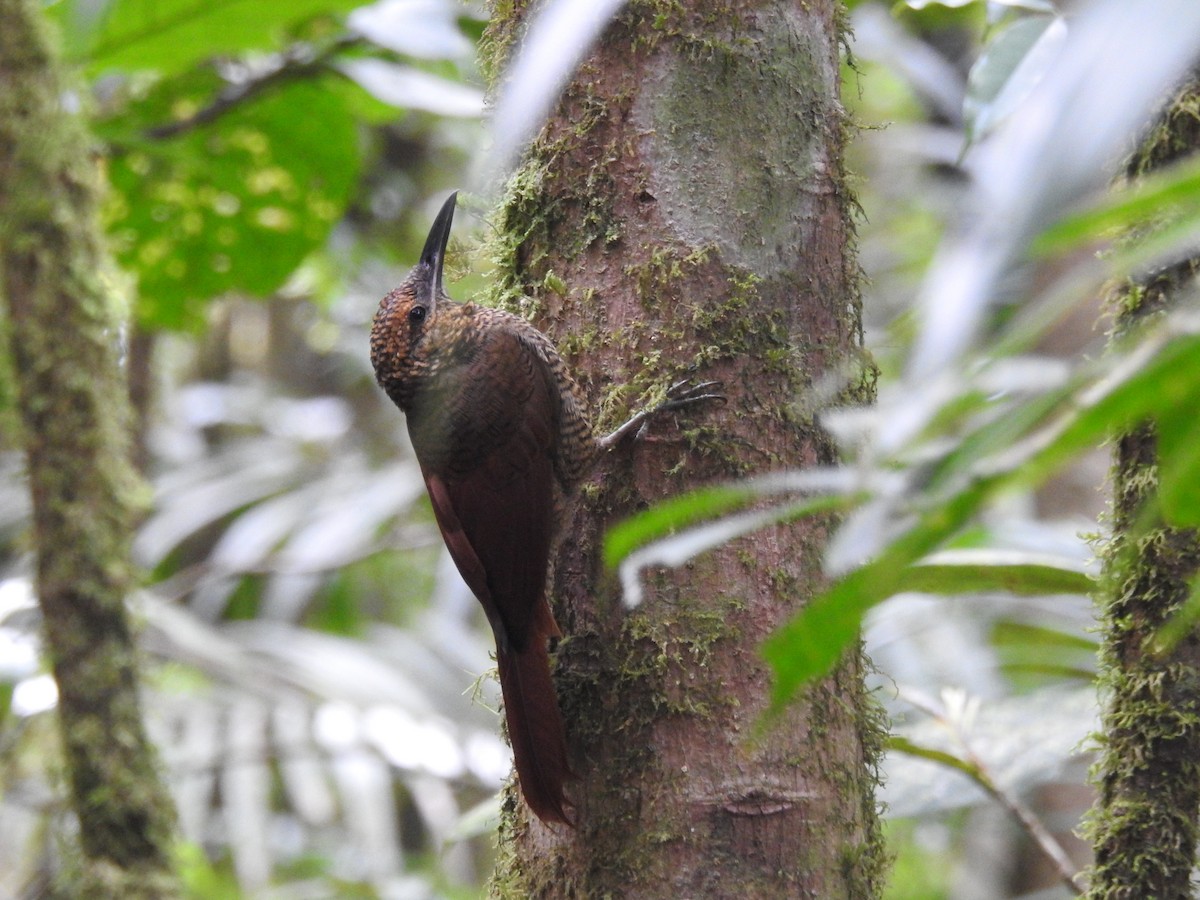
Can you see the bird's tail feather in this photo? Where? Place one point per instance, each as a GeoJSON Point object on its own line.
{"type": "Point", "coordinates": [535, 728]}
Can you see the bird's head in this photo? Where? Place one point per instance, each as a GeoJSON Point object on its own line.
{"type": "Point", "coordinates": [406, 314]}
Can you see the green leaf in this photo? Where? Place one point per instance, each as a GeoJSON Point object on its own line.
{"type": "Point", "coordinates": [810, 644]}
{"type": "Point", "coordinates": [171, 36]}
{"type": "Point", "coordinates": [1179, 461]}
{"type": "Point", "coordinates": [200, 877]}
{"type": "Point", "coordinates": [236, 204]}
{"type": "Point", "coordinates": [901, 744]}
{"type": "Point", "coordinates": [997, 435]}
{"type": "Point", "coordinates": [1162, 374]}
{"type": "Point", "coordinates": [668, 516]}
{"type": "Point", "coordinates": [677, 549]}
{"type": "Point", "coordinates": [1032, 654]}
{"type": "Point", "coordinates": [966, 571]}
{"type": "Point", "coordinates": [1177, 188]}
{"type": "Point", "coordinates": [1040, 637]}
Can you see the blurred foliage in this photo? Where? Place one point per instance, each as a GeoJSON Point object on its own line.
{"type": "Point", "coordinates": [176, 35]}
{"type": "Point", "coordinates": [232, 206]}
{"type": "Point", "coordinates": [919, 871]}
{"type": "Point", "coordinates": [236, 133]}
{"type": "Point", "coordinates": [272, 167]}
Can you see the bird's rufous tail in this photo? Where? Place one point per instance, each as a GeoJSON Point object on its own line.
{"type": "Point", "coordinates": [535, 728]}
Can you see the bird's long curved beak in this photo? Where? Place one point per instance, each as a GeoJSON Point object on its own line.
{"type": "Point", "coordinates": [433, 256]}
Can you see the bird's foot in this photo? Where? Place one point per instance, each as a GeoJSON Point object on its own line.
{"type": "Point", "coordinates": [680, 395]}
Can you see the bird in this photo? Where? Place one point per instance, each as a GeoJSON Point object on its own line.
{"type": "Point", "coordinates": [502, 438]}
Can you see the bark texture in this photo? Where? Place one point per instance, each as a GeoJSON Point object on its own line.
{"type": "Point", "coordinates": [684, 214]}
{"type": "Point", "coordinates": [74, 409]}
{"type": "Point", "coordinates": [1145, 826]}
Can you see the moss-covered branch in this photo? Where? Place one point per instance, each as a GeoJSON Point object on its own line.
{"type": "Point", "coordinates": [1145, 826]}
{"type": "Point", "coordinates": [73, 410]}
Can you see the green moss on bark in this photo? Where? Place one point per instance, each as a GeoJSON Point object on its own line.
{"type": "Point", "coordinates": [1146, 822]}
{"type": "Point", "coordinates": [684, 214]}
{"type": "Point", "coordinates": [57, 281]}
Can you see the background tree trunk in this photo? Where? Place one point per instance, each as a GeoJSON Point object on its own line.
{"type": "Point", "coordinates": [1145, 826]}
{"type": "Point", "coordinates": [684, 214]}
{"type": "Point", "coordinates": [57, 281]}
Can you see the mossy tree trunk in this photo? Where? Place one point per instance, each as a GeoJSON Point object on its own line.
{"type": "Point", "coordinates": [74, 411]}
{"type": "Point", "coordinates": [1145, 826]}
{"type": "Point", "coordinates": [684, 214]}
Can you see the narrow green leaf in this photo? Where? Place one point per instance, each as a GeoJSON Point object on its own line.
{"type": "Point", "coordinates": [1172, 189]}
{"type": "Point", "coordinates": [1012, 634]}
{"type": "Point", "coordinates": [998, 436]}
{"type": "Point", "coordinates": [1031, 654]}
{"type": "Point", "coordinates": [810, 644]}
{"type": "Point", "coordinates": [904, 745]}
{"type": "Point", "coordinates": [677, 549]}
{"type": "Point", "coordinates": [830, 486]}
{"type": "Point", "coordinates": [1166, 381]}
{"type": "Point", "coordinates": [967, 571]}
{"type": "Point", "coordinates": [668, 516]}
{"type": "Point", "coordinates": [1179, 463]}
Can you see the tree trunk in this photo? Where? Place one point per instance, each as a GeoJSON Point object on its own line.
{"type": "Point", "coordinates": [684, 214]}
{"type": "Point", "coordinates": [56, 278]}
{"type": "Point", "coordinates": [1145, 826]}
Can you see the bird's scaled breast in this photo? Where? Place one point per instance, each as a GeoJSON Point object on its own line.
{"type": "Point", "coordinates": [462, 416]}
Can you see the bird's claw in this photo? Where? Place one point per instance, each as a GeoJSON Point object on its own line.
{"type": "Point", "coordinates": [685, 393]}
{"type": "Point", "coordinates": [679, 395]}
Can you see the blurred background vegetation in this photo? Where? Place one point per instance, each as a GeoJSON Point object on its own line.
{"type": "Point", "coordinates": [314, 663]}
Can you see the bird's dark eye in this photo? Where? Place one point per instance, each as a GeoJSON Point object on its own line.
{"type": "Point", "coordinates": [416, 315]}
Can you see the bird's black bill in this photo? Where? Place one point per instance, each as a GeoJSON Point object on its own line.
{"type": "Point", "coordinates": [434, 254]}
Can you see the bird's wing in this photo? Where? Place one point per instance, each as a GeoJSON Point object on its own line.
{"type": "Point", "coordinates": [493, 496]}
{"type": "Point", "coordinates": [493, 492]}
